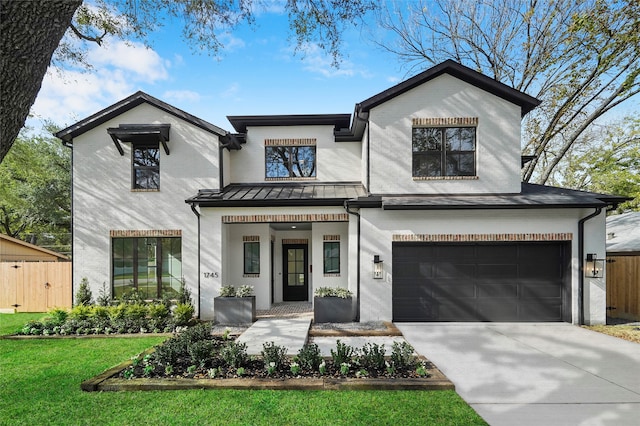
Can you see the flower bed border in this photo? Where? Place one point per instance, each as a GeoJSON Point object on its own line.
{"type": "Point", "coordinates": [108, 381]}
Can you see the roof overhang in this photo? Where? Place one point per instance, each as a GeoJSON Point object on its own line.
{"type": "Point", "coordinates": [141, 134]}
{"type": "Point", "coordinates": [241, 122]}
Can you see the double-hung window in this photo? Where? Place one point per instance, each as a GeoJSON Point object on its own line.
{"type": "Point", "coordinates": [146, 166]}
{"type": "Point", "coordinates": [443, 151]}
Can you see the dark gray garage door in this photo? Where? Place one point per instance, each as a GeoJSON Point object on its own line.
{"type": "Point", "coordinates": [481, 282]}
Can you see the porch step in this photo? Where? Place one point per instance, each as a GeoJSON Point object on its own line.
{"type": "Point", "coordinates": [288, 332]}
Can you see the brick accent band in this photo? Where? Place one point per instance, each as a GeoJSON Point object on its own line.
{"type": "Point", "coordinates": [117, 233]}
{"type": "Point", "coordinates": [295, 241]}
{"type": "Point", "coordinates": [481, 237]}
{"type": "Point", "coordinates": [283, 179]}
{"type": "Point", "coordinates": [251, 238]}
{"type": "Point", "coordinates": [445, 121]}
{"type": "Point", "coordinates": [331, 237]}
{"type": "Point", "coordinates": [445, 178]}
{"type": "Point", "coordinates": [290, 142]}
{"type": "Point", "coordinates": [266, 218]}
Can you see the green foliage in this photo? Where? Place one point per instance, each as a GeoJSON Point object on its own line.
{"type": "Point", "coordinates": [202, 352]}
{"type": "Point", "coordinates": [342, 354]}
{"type": "Point", "coordinates": [183, 314]}
{"type": "Point", "coordinates": [58, 316]}
{"type": "Point", "coordinates": [244, 291]}
{"type": "Point", "coordinates": [81, 312]}
{"type": "Point", "coordinates": [227, 291]}
{"type": "Point", "coordinates": [184, 296]}
{"type": "Point", "coordinates": [274, 354]}
{"type": "Point", "coordinates": [35, 194]}
{"type": "Point", "coordinates": [104, 296]}
{"type": "Point", "coordinates": [340, 292]}
{"type": "Point", "coordinates": [309, 357]}
{"type": "Point", "coordinates": [136, 311]}
{"type": "Point", "coordinates": [402, 355]}
{"type": "Point", "coordinates": [372, 356]}
{"type": "Point", "coordinates": [234, 354]}
{"type": "Point", "coordinates": [83, 295]}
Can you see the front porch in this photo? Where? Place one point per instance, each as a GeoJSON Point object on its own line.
{"type": "Point", "coordinates": [286, 310]}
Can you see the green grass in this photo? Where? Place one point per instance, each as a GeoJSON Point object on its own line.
{"type": "Point", "coordinates": [40, 384]}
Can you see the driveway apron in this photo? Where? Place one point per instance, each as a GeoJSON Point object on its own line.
{"type": "Point", "coordinates": [535, 374]}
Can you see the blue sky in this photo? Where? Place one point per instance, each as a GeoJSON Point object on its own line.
{"type": "Point", "coordinates": [255, 73]}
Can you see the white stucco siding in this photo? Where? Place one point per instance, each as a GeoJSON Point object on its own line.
{"type": "Point", "coordinates": [378, 228]}
{"type": "Point", "coordinates": [497, 138]}
{"type": "Point", "coordinates": [103, 199]}
{"type": "Point", "coordinates": [335, 161]}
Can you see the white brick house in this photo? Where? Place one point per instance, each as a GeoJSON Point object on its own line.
{"type": "Point", "coordinates": [424, 176]}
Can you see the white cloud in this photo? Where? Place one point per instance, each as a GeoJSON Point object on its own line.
{"type": "Point", "coordinates": [231, 43]}
{"type": "Point", "coordinates": [393, 79]}
{"type": "Point", "coordinates": [317, 61]}
{"type": "Point", "coordinates": [143, 62]}
{"type": "Point", "coordinates": [231, 91]}
{"type": "Point", "coordinates": [68, 95]}
{"type": "Point", "coordinates": [181, 96]}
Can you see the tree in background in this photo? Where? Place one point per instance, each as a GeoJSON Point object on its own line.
{"type": "Point", "coordinates": [607, 161]}
{"type": "Point", "coordinates": [35, 194]}
{"type": "Point", "coordinates": [32, 33]}
{"type": "Point", "coordinates": [582, 59]}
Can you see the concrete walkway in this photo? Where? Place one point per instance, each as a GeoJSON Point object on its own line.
{"type": "Point", "coordinates": [535, 374]}
{"type": "Point", "coordinates": [288, 332]}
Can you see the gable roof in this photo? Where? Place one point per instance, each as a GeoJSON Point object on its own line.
{"type": "Point", "coordinates": [626, 232]}
{"type": "Point", "coordinates": [526, 102]}
{"type": "Point", "coordinates": [127, 104]}
{"type": "Point", "coordinates": [7, 239]}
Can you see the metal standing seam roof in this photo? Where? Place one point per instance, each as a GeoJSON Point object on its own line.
{"type": "Point", "coordinates": [279, 194]}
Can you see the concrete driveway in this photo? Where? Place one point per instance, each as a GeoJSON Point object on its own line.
{"type": "Point", "coordinates": [535, 374]}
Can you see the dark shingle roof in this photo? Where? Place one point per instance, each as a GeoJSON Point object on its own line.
{"type": "Point", "coordinates": [532, 196]}
{"type": "Point", "coordinates": [279, 194]}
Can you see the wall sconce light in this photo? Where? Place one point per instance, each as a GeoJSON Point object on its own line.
{"type": "Point", "coordinates": [593, 267]}
{"type": "Point", "coordinates": [377, 267]}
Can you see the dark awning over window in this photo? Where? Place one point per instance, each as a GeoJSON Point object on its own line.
{"type": "Point", "coordinates": [142, 134]}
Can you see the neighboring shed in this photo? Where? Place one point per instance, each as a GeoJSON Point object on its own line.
{"type": "Point", "coordinates": [13, 249]}
{"type": "Point", "coordinates": [32, 278]}
{"type": "Point", "coordinates": [623, 266]}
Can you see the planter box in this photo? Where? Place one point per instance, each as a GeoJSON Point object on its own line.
{"type": "Point", "coordinates": [234, 310]}
{"type": "Point", "coordinates": [332, 309]}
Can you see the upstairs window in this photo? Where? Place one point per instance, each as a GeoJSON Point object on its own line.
{"type": "Point", "coordinates": [443, 151]}
{"type": "Point", "coordinates": [146, 167]}
{"type": "Point", "coordinates": [290, 158]}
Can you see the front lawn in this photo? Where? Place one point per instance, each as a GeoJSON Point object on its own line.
{"type": "Point", "coordinates": [40, 384]}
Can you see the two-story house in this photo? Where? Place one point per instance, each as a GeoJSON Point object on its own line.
{"type": "Point", "coordinates": [414, 202]}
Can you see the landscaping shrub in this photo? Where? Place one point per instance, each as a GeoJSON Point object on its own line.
{"type": "Point", "coordinates": [202, 352]}
{"type": "Point", "coordinates": [234, 354]}
{"type": "Point", "coordinates": [183, 314]}
{"type": "Point", "coordinates": [402, 355]}
{"type": "Point", "coordinates": [273, 355]}
{"type": "Point", "coordinates": [309, 357]}
{"type": "Point", "coordinates": [372, 356]}
{"type": "Point", "coordinates": [83, 295]}
{"type": "Point", "coordinates": [342, 354]}
{"type": "Point", "coordinates": [80, 312]}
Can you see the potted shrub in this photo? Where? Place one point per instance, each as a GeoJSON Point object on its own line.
{"type": "Point", "coordinates": [235, 306]}
{"type": "Point", "coordinates": [332, 304]}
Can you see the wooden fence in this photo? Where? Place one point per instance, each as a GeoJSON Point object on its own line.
{"type": "Point", "coordinates": [623, 287]}
{"type": "Point", "coordinates": [35, 286]}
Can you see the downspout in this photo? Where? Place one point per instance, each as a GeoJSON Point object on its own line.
{"type": "Point", "coordinates": [193, 209]}
{"type": "Point", "coordinates": [346, 207]}
{"type": "Point", "coordinates": [581, 256]}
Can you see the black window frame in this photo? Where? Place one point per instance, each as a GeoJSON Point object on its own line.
{"type": "Point", "coordinates": [251, 258]}
{"type": "Point", "coordinates": [325, 257]}
{"type": "Point", "coordinates": [290, 166]}
{"type": "Point", "coordinates": [440, 152]}
{"type": "Point", "coordinates": [135, 184]}
{"type": "Point", "coordinates": [160, 265]}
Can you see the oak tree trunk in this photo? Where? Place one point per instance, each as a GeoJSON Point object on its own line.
{"type": "Point", "coordinates": [30, 31]}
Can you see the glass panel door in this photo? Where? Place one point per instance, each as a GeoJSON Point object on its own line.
{"type": "Point", "coordinates": [295, 286]}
